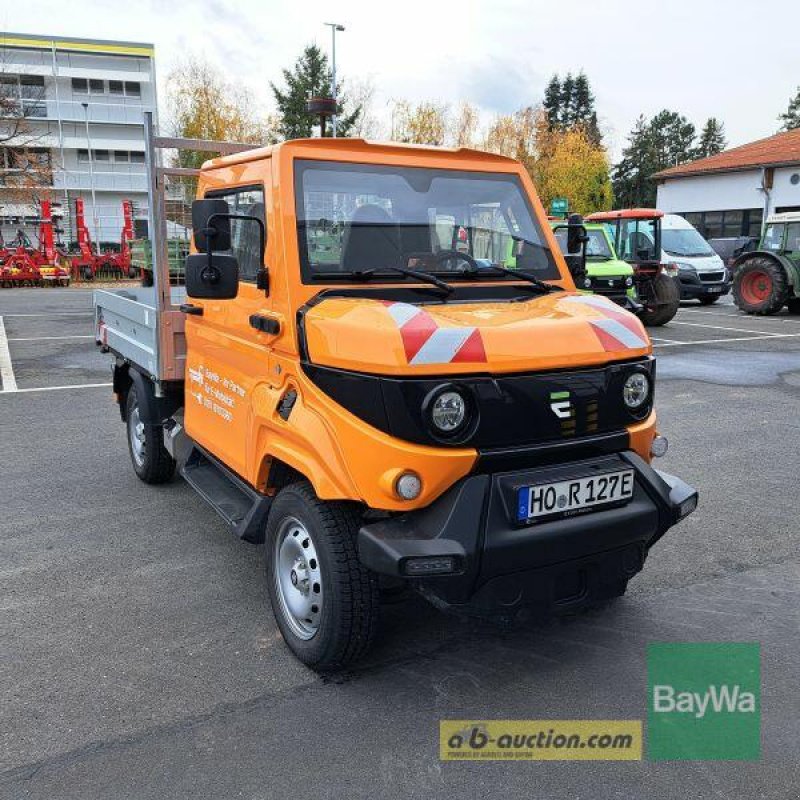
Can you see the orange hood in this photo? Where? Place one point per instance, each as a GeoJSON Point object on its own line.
{"type": "Point", "coordinates": [548, 332]}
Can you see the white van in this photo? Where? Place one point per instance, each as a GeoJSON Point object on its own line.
{"type": "Point", "coordinates": [702, 274]}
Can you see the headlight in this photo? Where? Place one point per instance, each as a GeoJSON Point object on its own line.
{"type": "Point", "coordinates": [448, 412]}
{"type": "Point", "coordinates": [629, 281]}
{"type": "Point", "coordinates": [587, 283]}
{"type": "Point", "coordinates": [636, 390]}
{"type": "Point", "coordinates": [684, 267]}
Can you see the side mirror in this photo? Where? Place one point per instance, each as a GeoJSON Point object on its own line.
{"type": "Point", "coordinates": [212, 276]}
{"type": "Point", "coordinates": [211, 224]}
{"type": "Point", "coordinates": [576, 248]}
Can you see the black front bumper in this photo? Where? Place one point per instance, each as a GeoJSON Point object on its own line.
{"type": "Point", "coordinates": [692, 286]}
{"type": "Point", "coordinates": [499, 565]}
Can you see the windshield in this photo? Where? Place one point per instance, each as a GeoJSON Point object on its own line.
{"type": "Point", "coordinates": [684, 242]}
{"type": "Point", "coordinates": [596, 247]}
{"type": "Point", "coordinates": [773, 237]}
{"type": "Point", "coordinates": [355, 218]}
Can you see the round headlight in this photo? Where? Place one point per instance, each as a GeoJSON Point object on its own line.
{"type": "Point", "coordinates": [629, 281]}
{"type": "Point", "coordinates": [408, 486]}
{"type": "Point", "coordinates": [587, 282]}
{"type": "Point", "coordinates": [636, 390]}
{"type": "Point", "coordinates": [448, 411]}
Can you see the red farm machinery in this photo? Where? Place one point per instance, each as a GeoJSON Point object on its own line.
{"type": "Point", "coordinates": [91, 263]}
{"type": "Point", "coordinates": [22, 264]}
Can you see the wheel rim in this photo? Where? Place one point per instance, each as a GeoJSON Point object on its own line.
{"type": "Point", "coordinates": [756, 286]}
{"type": "Point", "coordinates": [297, 578]}
{"type": "Point", "coordinates": [136, 435]}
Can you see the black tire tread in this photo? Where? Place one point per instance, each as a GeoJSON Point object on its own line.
{"type": "Point", "coordinates": [357, 620]}
{"type": "Point", "coordinates": [669, 300]}
{"type": "Point", "coordinates": [159, 466]}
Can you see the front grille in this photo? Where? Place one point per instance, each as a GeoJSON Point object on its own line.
{"type": "Point", "coordinates": [711, 277]}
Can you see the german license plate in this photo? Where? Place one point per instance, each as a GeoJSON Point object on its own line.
{"type": "Point", "coordinates": [576, 496]}
{"type": "Point", "coordinates": [714, 289]}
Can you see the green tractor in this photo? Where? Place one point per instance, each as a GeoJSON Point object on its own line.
{"type": "Point", "coordinates": [767, 279]}
{"type": "Point", "coordinates": [605, 273]}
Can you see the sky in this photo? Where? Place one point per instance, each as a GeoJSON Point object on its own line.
{"type": "Point", "coordinates": [738, 61]}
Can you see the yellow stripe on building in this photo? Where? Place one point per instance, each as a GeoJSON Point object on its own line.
{"type": "Point", "coordinates": [77, 46]}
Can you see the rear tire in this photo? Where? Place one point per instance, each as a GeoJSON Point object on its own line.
{"type": "Point", "coordinates": [760, 287]}
{"type": "Point", "coordinates": [325, 601]}
{"type": "Point", "coordinates": [151, 461]}
{"type": "Point", "coordinates": [666, 303]}
{"type": "Point", "coordinates": [709, 300]}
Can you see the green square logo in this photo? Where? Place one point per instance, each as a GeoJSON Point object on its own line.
{"type": "Point", "coordinates": [704, 701]}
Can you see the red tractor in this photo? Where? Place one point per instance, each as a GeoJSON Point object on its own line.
{"type": "Point", "coordinates": [109, 263]}
{"type": "Point", "coordinates": [637, 239]}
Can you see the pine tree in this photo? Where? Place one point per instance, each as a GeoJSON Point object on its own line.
{"type": "Point", "coordinates": [712, 139]}
{"type": "Point", "coordinates": [552, 102]}
{"type": "Point", "coordinates": [310, 77]}
{"type": "Point", "coordinates": [582, 106]}
{"type": "Point", "coordinates": [565, 119]}
{"type": "Point", "coordinates": [791, 119]}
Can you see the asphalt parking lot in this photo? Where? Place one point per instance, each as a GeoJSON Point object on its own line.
{"type": "Point", "coordinates": [140, 658]}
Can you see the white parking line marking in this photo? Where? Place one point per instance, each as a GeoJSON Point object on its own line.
{"type": "Point", "coordinates": [6, 367]}
{"type": "Point", "coordinates": [737, 315]}
{"type": "Point", "coordinates": [724, 328]}
{"type": "Point", "coordinates": [50, 338]}
{"type": "Point", "coordinates": [59, 388]}
{"type": "Point", "coordinates": [659, 339]}
{"type": "Point", "coordinates": [761, 338]}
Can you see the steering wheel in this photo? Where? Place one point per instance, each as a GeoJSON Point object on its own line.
{"type": "Point", "coordinates": [444, 256]}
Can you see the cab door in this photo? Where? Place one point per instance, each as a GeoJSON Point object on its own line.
{"type": "Point", "coordinates": [227, 354]}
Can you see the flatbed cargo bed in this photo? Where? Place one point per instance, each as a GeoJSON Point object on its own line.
{"type": "Point", "coordinates": [127, 323]}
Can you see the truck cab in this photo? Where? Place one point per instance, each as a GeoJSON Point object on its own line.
{"type": "Point", "coordinates": [382, 371]}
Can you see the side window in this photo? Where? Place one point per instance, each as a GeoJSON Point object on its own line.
{"type": "Point", "coordinates": [773, 237]}
{"type": "Point", "coordinates": [793, 237]}
{"type": "Point", "coordinates": [245, 235]}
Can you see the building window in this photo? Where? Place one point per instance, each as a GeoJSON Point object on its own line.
{"type": "Point", "coordinates": [97, 86]}
{"type": "Point", "coordinates": [80, 86]}
{"type": "Point", "coordinates": [83, 156]}
{"type": "Point", "coordinates": [133, 89]}
{"type": "Point", "coordinates": [732, 223]}
{"type": "Point", "coordinates": [115, 87]}
{"type": "Point", "coordinates": [755, 218]}
{"type": "Point", "coordinates": [101, 155]}
{"type": "Point", "coordinates": [122, 156]}
{"type": "Point", "coordinates": [712, 224]}
{"type": "Point", "coordinates": [137, 157]}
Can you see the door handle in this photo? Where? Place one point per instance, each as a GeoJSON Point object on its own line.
{"type": "Point", "coordinates": [265, 324]}
{"type": "Point", "coordinates": [188, 308]}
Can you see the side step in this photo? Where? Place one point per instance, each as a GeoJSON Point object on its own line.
{"type": "Point", "coordinates": [241, 506]}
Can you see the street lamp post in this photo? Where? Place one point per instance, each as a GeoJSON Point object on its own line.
{"type": "Point", "coordinates": [91, 174]}
{"type": "Point", "coordinates": [334, 28]}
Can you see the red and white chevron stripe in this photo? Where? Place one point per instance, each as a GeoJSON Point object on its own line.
{"type": "Point", "coordinates": [619, 330]}
{"type": "Point", "coordinates": [426, 343]}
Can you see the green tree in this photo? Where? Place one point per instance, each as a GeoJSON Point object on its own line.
{"type": "Point", "coordinates": [552, 102]}
{"type": "Point", "coordinates": [712, 139]}
{"type": "Point", "coordinates": [310, 77]}
{"type": "Point", "coordinates": [582, 108]}
{"type": "Point", "coordinates": [791, 119]}
{"type": "Point", "coordinates": [664, 141]}
{"type": "Point", "coordinates": [565, 110]}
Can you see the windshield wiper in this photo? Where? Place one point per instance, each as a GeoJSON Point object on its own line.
{"type": "Point", "coordinates": [367, 274]}
{"type": "Point", "coordinates": [515, 273]}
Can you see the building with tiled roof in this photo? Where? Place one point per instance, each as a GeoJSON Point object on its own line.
{"type": "Point", "coordinates": [731, 193]}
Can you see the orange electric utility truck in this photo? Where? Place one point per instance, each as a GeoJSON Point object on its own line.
{"type": "Point", "coordinates": [379, 368]}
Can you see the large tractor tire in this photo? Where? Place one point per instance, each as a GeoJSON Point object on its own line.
{"type": "Point", "coordinates": [760, 286]}
{"type": "Point", "coordinates": [665, 304]}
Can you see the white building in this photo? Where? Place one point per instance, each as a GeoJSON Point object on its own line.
{"type": "Point", "coordinates": [83, 101]}
{"type": "Point", "coordinates": [732, 193]}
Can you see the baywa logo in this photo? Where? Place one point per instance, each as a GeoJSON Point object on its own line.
{"type": "Point", "coordinates": [561, 404]}
{"type": "Point", "coordinates": [703, 700]}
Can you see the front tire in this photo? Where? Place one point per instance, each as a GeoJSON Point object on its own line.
{"type": "Point", "coordinates": [665, 302]}
{"type": "Point", "coordinates": [151, 461]}
{"type": "Point", "coordinates": [760, 287]}
{"type": "Point", "coordinates": [324, 600]}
